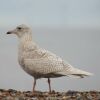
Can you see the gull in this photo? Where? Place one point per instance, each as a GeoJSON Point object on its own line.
{"type": "Point", "coordinates": [41, 63]}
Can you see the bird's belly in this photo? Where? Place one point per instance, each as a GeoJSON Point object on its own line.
{"type": "Point", "coordinates": [28, 70]}
{"type": "Point", "coordinates": [37, 74]}
{"type": "Point", "coordinates": [33, 71]}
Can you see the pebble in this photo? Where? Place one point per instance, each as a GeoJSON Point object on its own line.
{"type": "Point", "coordinates": [28, 95]}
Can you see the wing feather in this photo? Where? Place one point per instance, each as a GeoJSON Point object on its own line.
{"type": "Point", "coordinates": [44, 66]}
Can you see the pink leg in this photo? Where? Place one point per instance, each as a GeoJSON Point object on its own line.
{"type": "Point", "coordinates": [34, 84]}
{"type": "Point", "coordinates": [49, 85]}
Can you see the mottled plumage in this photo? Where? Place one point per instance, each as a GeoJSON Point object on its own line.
{"type": "Point", "coordinates": [39, 62]}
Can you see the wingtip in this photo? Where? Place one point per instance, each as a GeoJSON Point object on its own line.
{"type": "Point", "coordinates": [90, 74]}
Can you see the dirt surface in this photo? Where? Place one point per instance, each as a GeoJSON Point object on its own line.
{"type": "Point", "coordinates": [28, 95]}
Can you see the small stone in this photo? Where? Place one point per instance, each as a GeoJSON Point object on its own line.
{"type": "Point", "coordinates": [46, 94]}
{"type": "Point", "coordinates": [89, 97]}
{"type": "Point", "coordinates": [98, 96]}
{"type": "Point", "coordinates": [19, 98]}
{"type": "Point", "coordinates": [8, 98]}
{"type": "Point", "coordinates": [34, 98]}
{"type": "Point", "coordinates": [2, 90]}
{"type": "Point", "coordinates": [65, 97]}
{"type": "Point", "coordinates": [0, 93]}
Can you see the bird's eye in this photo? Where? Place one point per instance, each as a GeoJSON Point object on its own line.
{"type": "Point", "coordinates": [19, 28]}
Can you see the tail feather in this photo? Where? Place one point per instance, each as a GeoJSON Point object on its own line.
{"type": "Point", "coordinates": [76, 73]}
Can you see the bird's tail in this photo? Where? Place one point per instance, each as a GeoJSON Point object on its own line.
{"type": "Point", "coordinates": [79, 73]}
{"type": "Point", "coordinates": [76, 73]}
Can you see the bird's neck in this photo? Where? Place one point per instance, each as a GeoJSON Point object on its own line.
{"type": "Point", "coordinates": [26, 38]}
{"type": "Point", "coordinates": [25, 41]}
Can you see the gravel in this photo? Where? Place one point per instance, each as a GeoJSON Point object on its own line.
{"type": "Point", "coordinates": [38, 95]}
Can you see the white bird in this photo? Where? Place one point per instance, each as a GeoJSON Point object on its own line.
{"type": "Point", "coordinates": [39, 62]}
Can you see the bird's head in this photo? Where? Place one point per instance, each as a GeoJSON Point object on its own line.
{"type": "Point", "coordinates": [20, 30]}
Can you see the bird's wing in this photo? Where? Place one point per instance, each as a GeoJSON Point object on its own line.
{"type": "Point", "coordinates": [44, 66]}
{"type": "Point", "coordinates": [44, 62]}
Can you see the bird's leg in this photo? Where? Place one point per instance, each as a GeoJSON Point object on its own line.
{"type": "Point", "coordinates": [49, 85]}
{"type": "Point", "coordinates": [34, 84]}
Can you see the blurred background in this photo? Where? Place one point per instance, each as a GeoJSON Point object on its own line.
{"type": "Point", "coordinates": [69, 28]}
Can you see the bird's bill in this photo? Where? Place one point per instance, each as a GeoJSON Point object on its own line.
{"type": "Point", "coordinates": [11, 32]}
